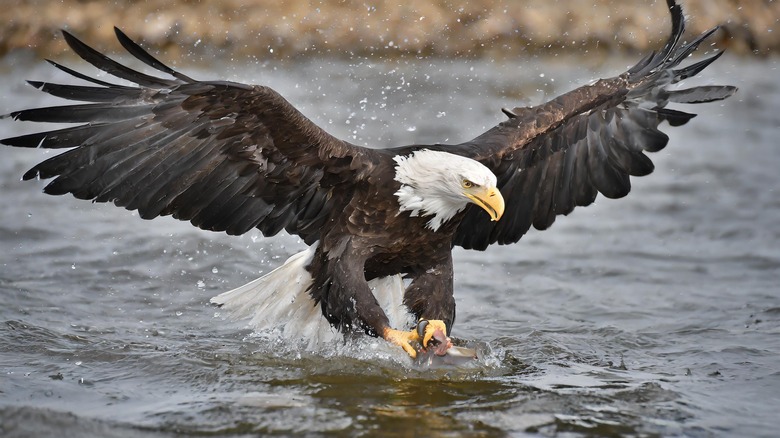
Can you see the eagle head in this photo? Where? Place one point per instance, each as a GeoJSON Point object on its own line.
{"type": "Point", "coordinates": [440, 184]}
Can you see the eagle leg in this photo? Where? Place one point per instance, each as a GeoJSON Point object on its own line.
{"type": "Point", "coordinates": [429, 298]}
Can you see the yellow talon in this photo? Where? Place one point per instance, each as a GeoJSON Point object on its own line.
{"type": "Point", "coordinates": [430, 329]}
{"type": "Point", "coordinates": [434, 330]}
{"type": "Point", "coordinates": [402, 339]}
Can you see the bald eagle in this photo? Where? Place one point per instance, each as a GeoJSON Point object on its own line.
{"type": "Point", "coordinates": [231, 157]}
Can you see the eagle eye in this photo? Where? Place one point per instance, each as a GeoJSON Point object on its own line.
{"type": "Point", "coordinates": [467, 184]}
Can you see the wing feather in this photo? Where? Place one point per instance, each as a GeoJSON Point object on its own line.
{"type": "Point", "coordinates": [88, 94]}
{"type": "Point", "coordinates": [137, 51]}
{"type": "Point", "coordinates": [561, 154]}
{"type": "Point", "coordinates": [89, 113]}
{"type": "Point", "coordinates": [112, 67]}
{"type": "Point", "coordinates": [222, 155]}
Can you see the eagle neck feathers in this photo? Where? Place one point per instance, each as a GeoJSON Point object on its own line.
{"type": "Point", "coordinates": [426, 190]}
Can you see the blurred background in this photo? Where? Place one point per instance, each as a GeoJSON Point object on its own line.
{"type": "Point", "coordinates": [192, 29]}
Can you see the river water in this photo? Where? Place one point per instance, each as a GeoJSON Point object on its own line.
{"type": "Point", "coordinates": [653, 315]}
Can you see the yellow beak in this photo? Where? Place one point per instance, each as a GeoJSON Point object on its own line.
{"type": "Point", "coordinates": [489, 198]}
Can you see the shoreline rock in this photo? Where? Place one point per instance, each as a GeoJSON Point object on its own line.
{"type": "Point", "coordinates": [195, 31]}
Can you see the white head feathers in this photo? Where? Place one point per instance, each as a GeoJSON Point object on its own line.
{"type": "Point", "coordinates": [432, 183]}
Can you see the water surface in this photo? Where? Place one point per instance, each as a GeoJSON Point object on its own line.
{"type": "Point", "coordinates": [653, 315]}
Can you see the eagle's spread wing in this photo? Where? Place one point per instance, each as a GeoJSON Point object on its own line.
{"type": "Point", "coordinates": [222, 155]}
{"type": "Point", "coordinates": [559, 155]}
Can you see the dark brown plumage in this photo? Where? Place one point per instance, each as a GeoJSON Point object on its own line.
{"type": "Point", "coordinates": [232, 157]}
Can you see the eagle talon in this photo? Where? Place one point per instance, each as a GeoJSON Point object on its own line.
{"type": "Point", "coordinates": [402, 339]}
{"type": "Point", "coordinates": [421, 328]}
{"type": "Point", "coordinates": [433, 334]}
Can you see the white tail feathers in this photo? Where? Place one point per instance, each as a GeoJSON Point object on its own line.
{"type": "Point", "coordinates": [279, 302]}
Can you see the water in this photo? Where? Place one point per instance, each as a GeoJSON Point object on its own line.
{"type": "Point", "coordinates": [653, 315]}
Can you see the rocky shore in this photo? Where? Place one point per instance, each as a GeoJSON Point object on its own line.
{"type": "Point", "coordinates": [196, 30]}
